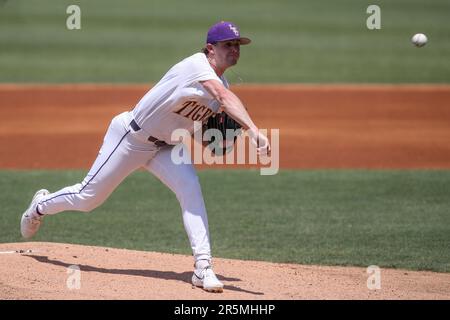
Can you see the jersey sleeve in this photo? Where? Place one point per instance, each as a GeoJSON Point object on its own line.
{"type": "Point", "coordinates": [200, 70]}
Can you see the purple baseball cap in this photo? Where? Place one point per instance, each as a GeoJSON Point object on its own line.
{"type": "Point", "coordinates": [223, 31]}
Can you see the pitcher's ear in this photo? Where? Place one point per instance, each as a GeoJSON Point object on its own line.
{"type": "Point", "coordinates": [209, 47]}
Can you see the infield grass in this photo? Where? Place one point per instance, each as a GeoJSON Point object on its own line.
{"type": "Point", "coordinates": [293, 40]}
{"type": "Point", "coordinates": [329, 217]}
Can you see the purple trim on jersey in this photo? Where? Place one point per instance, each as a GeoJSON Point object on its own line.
{"type": "Point", "coordinates": [37, 210]}
{"type": "Point", "coordinates": [68, 193]}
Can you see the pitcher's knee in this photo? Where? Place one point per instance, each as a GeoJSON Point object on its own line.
{"type": "Point", "coordinates": [89, 203]}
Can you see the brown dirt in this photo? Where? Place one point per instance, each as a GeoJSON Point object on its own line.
{"type": "Point", "coordinates": [341, 126]}
{"type": "Point", "coordinates": [324, 126]}
{"type": "Point", "coordinates": [107, 273]}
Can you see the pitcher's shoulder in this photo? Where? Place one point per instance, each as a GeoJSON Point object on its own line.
{"type": "Point", "coordinates": [198, 57]}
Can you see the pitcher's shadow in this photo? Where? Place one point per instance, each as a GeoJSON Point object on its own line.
{"type": "Point", "coordinates": [167, 275]}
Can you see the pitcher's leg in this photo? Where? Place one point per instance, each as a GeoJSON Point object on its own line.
{"type": "Point", "coordinates": [105, 175]}
{"type": "Point", "coordinates": [115, 161]}
{"type": "Point", "coordinates": [183, 181]}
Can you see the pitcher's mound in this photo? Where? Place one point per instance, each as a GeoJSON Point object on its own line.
{"type": "Point", "coordinates": [37, 270]}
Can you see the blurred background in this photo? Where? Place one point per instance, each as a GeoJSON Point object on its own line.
{"type": "Point", "coordinates": [293, 40]}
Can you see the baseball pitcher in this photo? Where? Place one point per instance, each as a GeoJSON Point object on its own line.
{"type": "Point", "coordinates": [192, 90]}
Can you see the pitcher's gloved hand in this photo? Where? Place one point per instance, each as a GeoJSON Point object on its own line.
{"type": "Point", "coordinates": [221, 142]}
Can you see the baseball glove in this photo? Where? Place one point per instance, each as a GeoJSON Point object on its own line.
{"type": "Point", "coordinates": [226, 130]}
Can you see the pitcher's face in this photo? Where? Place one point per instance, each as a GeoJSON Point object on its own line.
{"type": "Point", "coordinates": [227, 53]}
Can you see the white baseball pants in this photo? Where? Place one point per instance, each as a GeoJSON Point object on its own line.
{"type": "Point", "coordinates": [124, 151]}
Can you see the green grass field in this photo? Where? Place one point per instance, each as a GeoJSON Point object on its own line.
{"type": "Point", "coordinates": [349, 217]}
{"type": "Point", "coordinates": [294, 41]}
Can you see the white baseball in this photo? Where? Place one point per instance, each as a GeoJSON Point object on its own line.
{"type": "Point", "coordinates": [419, 39]}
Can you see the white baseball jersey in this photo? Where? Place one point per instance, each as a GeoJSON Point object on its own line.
{"type": "Point", "coordinates": [178, 99]}
{"type": "Point", "coordinates": [175, 102]}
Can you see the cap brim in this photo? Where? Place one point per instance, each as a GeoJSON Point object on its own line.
{"type": "Point", "coordinates": [244, 40]}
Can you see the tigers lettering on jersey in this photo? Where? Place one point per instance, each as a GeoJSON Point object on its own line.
{"type": "Point", "coordinates": [194, 111]}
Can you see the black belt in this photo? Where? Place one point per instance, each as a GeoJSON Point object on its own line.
{"type": "Point", "coordinates": [156, 141]}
